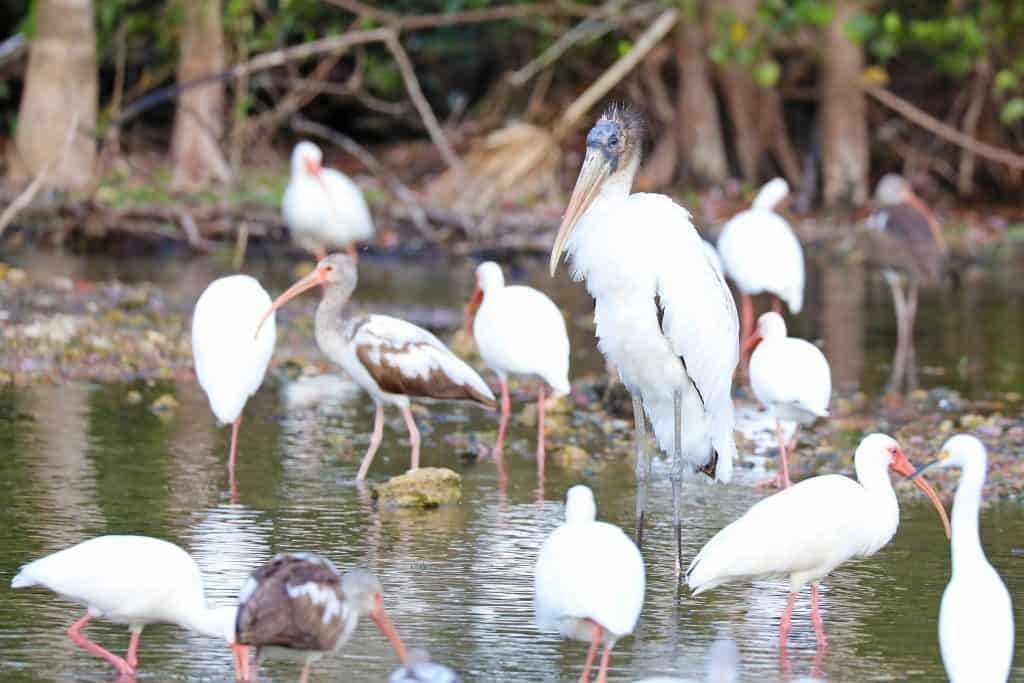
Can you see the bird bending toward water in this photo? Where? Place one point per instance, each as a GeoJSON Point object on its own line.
{"type": "Point", "coordinates": [133, 580]}
{"type": "Point", "coordinates": [811, 528]}
{"type": "Point", "coordinates": [589, 581]}
{"type": "Point", "coordinates": [300, 601]}
{"type": "Point", "coordinates": [761, 254]}
{"type": "Point", "coordinates": [663, 315]}
{"type": "Point", "coordinates": [791, 377]}
{"type": "Point", "coordinates": [976, 616]}
{"type": "Point", "coordinates": [322, 207]}
{"type": "Point", "coordinates": [392, 360]}
{"type": "Point", "coordinates": [518, 330]}
{"type": "Point", "coordinates": [230, 359]}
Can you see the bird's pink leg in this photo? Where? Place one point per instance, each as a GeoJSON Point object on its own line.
{"type": "Point", "coordinates": [234, 448]}
{"type": "Point", "coordinates": [305, 673]}
{"type": "Point", "coordinates": [75, 633]}
{"type": "Point", "coordinates": [375, 439]}
{"type": "Point", "coordinates": [781, 478]}
{"type": "Point", "coordinates": [776, 304]}
{"type": "Point", "coordinates": [595, 639]}
{"type": "Point", "coordinates": [506, 407]}
{"type": "Point", "coordinates": [414, 437]}
{"type": "Point", "coordinates": [819, 625]}
{"type": "Point", "coordinates": [133, 649]}
{"type": "Point", "coordinates": [746, 325]}
{"type": "Point", "coordinates": [602, 673]}
{"type": "Point", "coordinates": [540, 434]}
{"type": "Point", "coordinates": [787, 616]}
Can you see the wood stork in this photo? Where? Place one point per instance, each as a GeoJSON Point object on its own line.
{"type": "Point", "coordinates": [518, 330]}
{"type": "Point", "coordinates": [791, 377]}
{"type": "Point", "coordinates": [392, 360]}
{"type": "Point", "coordinates": [664, 316]}
{"type": "Point", "coordinates": [300, 601]}
{"type": "Point", "coordinates": [976, 617]}
{"type": "Point", "coordinates": [808, 530]}
{"type": "Point", "coordinates": [134, 580]}
{"type": "Point", "coordinates": [761, 254]}
{"type": "Point", "coordinates": [322, 207]}
{"type": "Point", "coordinates": [910, 245]}
{"type": "Point", "coordinates": [230, 358]}
{"type": "Point", "coordinates": [589, 581]}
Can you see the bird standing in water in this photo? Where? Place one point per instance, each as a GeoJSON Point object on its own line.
{"type": "Point", "coordinates": [663, 315]}
{"type": "Point", "coordinates": [392, 360]}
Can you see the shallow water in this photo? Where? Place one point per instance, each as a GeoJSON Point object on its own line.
{"type": "Point", "coordinates": [77, 460]}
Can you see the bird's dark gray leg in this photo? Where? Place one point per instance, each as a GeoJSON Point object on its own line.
{"type": "Point", "coordinates": [676, 476]}
{"type": "Point", "coordinates": [911, 310]}
{"type": "Point", "coordinates": [643, 467]}
{"type": "Point", "coordinates": [899, 303]}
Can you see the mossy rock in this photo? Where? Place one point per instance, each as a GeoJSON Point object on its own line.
{"type": "Point", "coordinates": [426, 487]}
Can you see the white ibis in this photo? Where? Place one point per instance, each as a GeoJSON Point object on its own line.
{"type": "Point", "coordinates": [134, 580]}
{"type": "Point", "coordinates": [712, 254]}
{"type": "Point", "coordinates": [811, 528]}
{"type": "Point", "coordinates": [392, 360]}
{"type": "Point", "coordinates": [791, 377]}
{"type": "Point", "coordinates": [229, 357]}
{"type": "Point", "coordinates": [300, 601]}
{"type": "Point", "coordinates": [322, 207]}
{"type": "Point", "coordinates": [762, 255]}
{"type": "Point", "coordinates": [976, 617]}
{"type": "Point", "coordinates": [589, 581]}
{"type": "Point", "coordinates": [518, 330]}
{"type": "Point", "coordinates": [664, 316]}
{"type": "Point", "coordinates": [910, 244]}
{"type": "Point", "coordinates": [419, 669]}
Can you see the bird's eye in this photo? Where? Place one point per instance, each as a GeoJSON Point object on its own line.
{"type": "Point", "coordinates": [613, 140]}
{"type": "Point", "coordinates": [329, 268]}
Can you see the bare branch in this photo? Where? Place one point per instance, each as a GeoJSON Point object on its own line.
{"type": "Point", "coordinates": [418, 22]}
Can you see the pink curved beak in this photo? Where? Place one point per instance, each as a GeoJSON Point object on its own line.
{"type": "Point", "coordinates": [318, 276]}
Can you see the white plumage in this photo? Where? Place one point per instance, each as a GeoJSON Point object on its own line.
{"type": "Point", "coordinates": [588, 573]}
{"type": "Point", "coordinates": [976, 616]}
{"type": "Point", "coordinates": [760, 252]}
{"type": "Point", "coordinates": [806, 531]}
{"type": "Point", "coordinates": [790, 376]}
{"type": "Point", "coordinates": [230, 357]}
{"type": "Point", "coordinates": [133, 580]}
{"type": "Point", "coordinates": [322, 207]}
{"type": "Point", "coordinates": [519, 330]}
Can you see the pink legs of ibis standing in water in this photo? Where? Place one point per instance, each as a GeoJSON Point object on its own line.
{"type": "Point", "coordinates": [506, 408]}
{"type": "Point", "coordinates": [787, 615]}
{"type": "Point", "coordinates": [781, 479]}
{"type": "Point", "coordinates": [125, 667]}
{"type": "Point", "coordinates": [595, 640]}
{"type": "Point", "coordinates": [378, 436]}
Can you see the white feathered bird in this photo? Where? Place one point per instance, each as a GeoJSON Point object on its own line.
{"type": "Point", "coordinates": [230, 358]}
{"type": "Point", "coordinates": [518, 330]}
{"type": "Point", "coordinates": [324, 210]}
{"type": "Point", "coordinates": [791, 377]}
{"type": "Point", "coordinates": [976, 616]}
{"type": "Point", "coordinates": [589, 580]}
{"type": "Point", "coordinates": [133, 580]}
{"type": "Point", "coordinates": [761, 254]}
{"type": "Point", "coordinates": [806, 531]}
{"type": "Point", "coordinates": [664, 316]}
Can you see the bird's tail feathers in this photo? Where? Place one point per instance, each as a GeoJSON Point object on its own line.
{"type": "Point", "coordinates": [22, 580]}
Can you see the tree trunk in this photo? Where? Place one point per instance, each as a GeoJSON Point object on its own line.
{"type": "Point", "coordinates": [700, 132]}
{"type": "Point", "coordinates": [199, 118]}
{"type": "Point", "coordinates": [60, 89]}
{"type": "Point", "coordinates": [844, 132]}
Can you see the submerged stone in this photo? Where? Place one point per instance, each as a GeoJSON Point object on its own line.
{"type": "Point", "coordinates": [426, 487]}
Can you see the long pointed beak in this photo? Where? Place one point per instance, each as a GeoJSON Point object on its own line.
{"type": "Point", "coordinates": [750, 342]}
{"type": "Point", "coordinates": [316, 277]}
{"type": "Point", "coordinates": [240, 653]}
{"type": "Point", "coordinates": [474, 303]}
{"type": "Point", "coordinates": [593, 173]}
{"type": "Point", "coordinates": [904, 467]}
{"type": "Point", "coordinates": [380, 617]}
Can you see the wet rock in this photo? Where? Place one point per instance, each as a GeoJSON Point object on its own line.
{"type": "Point", "coordinates": [133, 398]}
{"type": "Point", "coordinates": [572, 457]}
{"type": "Point", "coordinates": [556, 415]}
{"type": "Point", "coordinates": [426, 487]}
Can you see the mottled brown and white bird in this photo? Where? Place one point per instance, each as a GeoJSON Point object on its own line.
{"type": "Point", "coordinates": [909, 242]}
{"type": "Point", "coordinates": [392, 360]}
{"type": "Point", "coordinates": [300, 601]}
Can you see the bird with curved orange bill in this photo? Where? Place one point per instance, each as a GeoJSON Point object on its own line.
{"type": "Point", "coordinates": [663, 315]}
{"type": "Point", "coordinates": [392, 360]}
{"type": "Point", "coordinates": [806, 531]}
{"type": "Point", "coordinates": [301, 602]}
{"type": "Point", "coordinates": [518, 330]}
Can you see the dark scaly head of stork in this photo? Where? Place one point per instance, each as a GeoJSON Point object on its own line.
{"type": "Point", "coordinates": [336, 273]}
{"type": "Point", "coordinates": [364, 594]}
{"type": "Point", "coordinates": [613, 155]}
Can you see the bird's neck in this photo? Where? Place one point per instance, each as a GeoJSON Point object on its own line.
{"type": "Point", "coordinates": [619, 184]}
{"type": "Point", "coordinates": [328, 320]}
{"type": "Point", "coordinates": [218, 622]}
{"type": "Point", "coordinates": [965, 544]}
{"type": "Point", "coordinates": [878, 485]}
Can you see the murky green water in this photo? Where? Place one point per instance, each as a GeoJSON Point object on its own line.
{"type": "Point", "coordinates": [77, 460]}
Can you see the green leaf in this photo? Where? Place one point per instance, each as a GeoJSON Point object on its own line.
{"type": "Point", "coordinates": [1012, 111]}
{"type": "Point", "coordinates": [767, 73]}
{"type": "Point", "coordinates": [891, 22]}
{"type": "Point", "coordinates": [860, 28]}
{"type": "Point", "coordinates": [623, 47]}
{"type": "Point", "coordinates": [1005, 80]}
